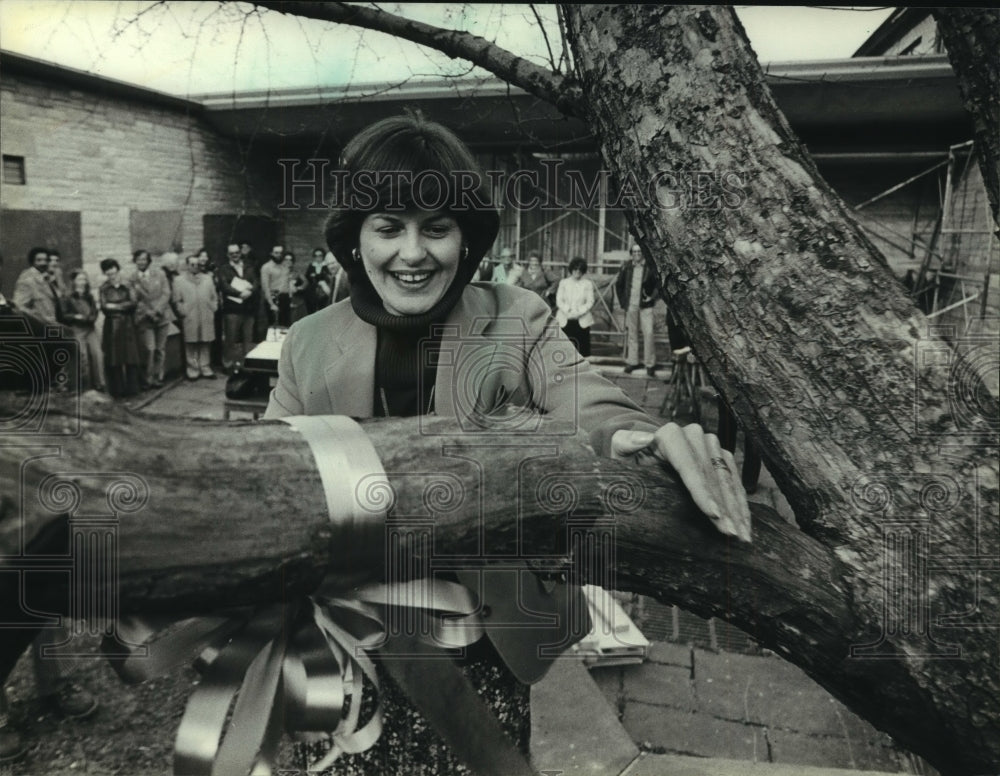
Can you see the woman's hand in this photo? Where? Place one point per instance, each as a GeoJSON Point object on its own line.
{"type": "Point", "coordinates": [708, 471]}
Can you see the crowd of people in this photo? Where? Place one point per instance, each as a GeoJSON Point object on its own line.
{"type": "Point", "coordinates": [405, 271]}
{"type": "Point", "coordinates": [224, 307]}
{"type": "Point", "coordinates": [221, 308]}
{"type": "Point", "coordinates": [127, 354]}
{"type": "Point", "coordinates": [573, 298]}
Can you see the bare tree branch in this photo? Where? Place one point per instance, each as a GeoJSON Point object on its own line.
{"type": "Point", "coordinates": [545, 35]}
{"type": "Point", "coordinates": [559, 90]}
{"type": "Point", "coordinates": [564, 56]}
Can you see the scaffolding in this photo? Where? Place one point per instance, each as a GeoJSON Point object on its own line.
{"type": "Point", "coordinates": [951, 246]}
{"type": "Point", "coordinates": [960, 257]}
{"type": "Point", "coordinates": [600, 235]}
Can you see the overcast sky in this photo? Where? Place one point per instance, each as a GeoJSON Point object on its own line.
{"type": "Point", "coordinates": [207, 47]}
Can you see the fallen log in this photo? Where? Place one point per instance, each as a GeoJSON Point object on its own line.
{"type": "Point", "coordinates": [206, 514]}
{"type": "Point", "coordinates": [212, 514]}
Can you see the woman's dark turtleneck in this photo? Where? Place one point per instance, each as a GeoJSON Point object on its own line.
{"type": "Point", "coordinates": [408, 345]}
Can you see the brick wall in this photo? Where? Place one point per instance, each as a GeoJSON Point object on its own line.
{"type": "Point", "coordinates": [303, 232]}
{"type": "Point", "coordinates": [104, 155]}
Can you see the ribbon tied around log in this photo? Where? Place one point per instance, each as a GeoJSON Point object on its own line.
{"type": "Point", "coordinates": [295, 667]}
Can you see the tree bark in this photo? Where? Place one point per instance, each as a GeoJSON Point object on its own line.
{"type": "Point", "coordinates": [268, 535]}
{"type": "Point", "coordinates": [972, 39]}
{"type": "Point", "coordinates": [239, 517]}
{"type": "Point", "coordinates": [811, 339]}
{"type": "Point", "coordinates": [878, 434]}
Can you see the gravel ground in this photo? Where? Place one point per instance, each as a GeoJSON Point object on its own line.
{"type": "Point", "coordinates": [131, 733]}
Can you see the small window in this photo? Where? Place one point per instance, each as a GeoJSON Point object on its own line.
{"type": "Point", "coordinates": [13, 170]}
{"type": "Point", "coordinates": [912, 47]}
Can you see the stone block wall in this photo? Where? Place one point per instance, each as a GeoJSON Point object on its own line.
{"type": "Point", "coordinates": [104, 155]}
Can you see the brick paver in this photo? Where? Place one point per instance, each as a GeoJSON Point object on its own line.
{"type": "Point", "coordinates": [649, 764]}
{"type": "Point", "coordinates": [833, 751]}
{"type": "Point", "coordinates": [651, 683]}
{"type": "Point", "coordinates": [667, 730]}
{"type": "Point", "coordinates": [670, 654]}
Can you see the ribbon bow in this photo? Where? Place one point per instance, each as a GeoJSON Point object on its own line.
{"type": "Point", "coordinates": [290, 667]}
{"type": "Point", "coordinates": [293, 666]}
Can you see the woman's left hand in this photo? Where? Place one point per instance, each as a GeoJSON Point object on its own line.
{"type": "Point", "coordinates": [708, 471]}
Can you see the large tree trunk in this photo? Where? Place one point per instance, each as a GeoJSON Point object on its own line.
{"type": "Point", "coordinates": [800, 323]}
{"type": "Point", "coordinates": [878, 435]}
{"type": "Point", "coordinates": [972, 39]}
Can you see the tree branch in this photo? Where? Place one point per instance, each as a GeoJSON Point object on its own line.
{"type": "Point", "coordinates": [555, 88]}
{"type": "Point", "coordinates": [180, 523]}
{"type": "Point", "coordinates": [545, 36]}
{"type": "Point", "coordinates": [239, 517]}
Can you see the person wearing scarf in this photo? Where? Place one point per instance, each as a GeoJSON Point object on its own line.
{"type": "Point", "coordinates": [406, 342]}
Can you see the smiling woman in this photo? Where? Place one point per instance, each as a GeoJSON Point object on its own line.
{"type": "Point", "coordinates": [410, 258]}
{"type": "Point", "coordinates": [418, 337]}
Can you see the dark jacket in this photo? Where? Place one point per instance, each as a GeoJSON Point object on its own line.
{"type": "Point", "coordinates": [650, 285]}
{"type": "Point", "coordinates": [314, 294]}
{"type": "Point", "coordinates": [79, 311]}
{"type": "Point", "coordinates": [230, 296]}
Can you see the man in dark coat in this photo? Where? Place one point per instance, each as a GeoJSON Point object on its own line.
{"type": "Point", "coordinates": [239, 287]}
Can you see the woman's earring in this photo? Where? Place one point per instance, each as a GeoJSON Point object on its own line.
{"type": "Point", "coordinates": [354, 254]}
{"type": "Point", "coordinates": [465, 252]}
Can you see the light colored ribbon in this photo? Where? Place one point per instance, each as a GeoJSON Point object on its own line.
{"type": "Point", "coordinates": [345, 458]}
{"type": "Point", "coordinates": [293, 666]}
{"type": "Point", "coordinates": [289, 667]}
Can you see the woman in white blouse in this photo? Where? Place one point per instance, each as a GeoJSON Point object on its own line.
{"type": "Point", "coordinates": [574, 300]}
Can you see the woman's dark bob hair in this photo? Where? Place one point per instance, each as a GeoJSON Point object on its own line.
{"type": "Point", "coordinates": [403, 163]}
{"type": "Point", "coordinates": [107, 264]}
{"type": "Point", "coordinates": [578, 263]}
